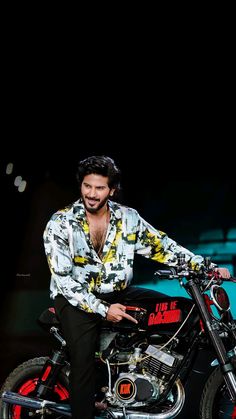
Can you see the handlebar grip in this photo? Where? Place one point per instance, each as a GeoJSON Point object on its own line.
{"type": "Point", "coordinates": [230, 279]}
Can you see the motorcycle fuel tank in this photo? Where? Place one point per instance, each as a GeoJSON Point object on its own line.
{"type": "Point", "coordinates": [164, 315]}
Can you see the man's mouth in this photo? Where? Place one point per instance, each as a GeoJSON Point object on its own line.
{"type": "Point", "coordinates": [92, 201]}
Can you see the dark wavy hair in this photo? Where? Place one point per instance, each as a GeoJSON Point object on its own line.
{"type": "Point", "coordinates": [100, 165]}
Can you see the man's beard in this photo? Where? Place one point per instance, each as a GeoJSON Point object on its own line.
{"type": "Point", "coordinates": [96, 209]}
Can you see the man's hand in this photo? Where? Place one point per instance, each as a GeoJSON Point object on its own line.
{"type": "Point", "coordinates": [223, 272]}
{"type": "Point", "coordinates": [116, 313]}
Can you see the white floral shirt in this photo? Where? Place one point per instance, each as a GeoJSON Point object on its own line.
{"type": "Point", "coordinates": [77, 271]}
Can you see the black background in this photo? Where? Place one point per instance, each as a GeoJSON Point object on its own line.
{"type": "Point", "coordinates": [178, 188]}
{"type": "Point", "coordinates": [165, 116]}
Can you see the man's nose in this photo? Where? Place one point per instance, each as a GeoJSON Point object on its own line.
{"type": "Point", "coordinates": [92, 193]}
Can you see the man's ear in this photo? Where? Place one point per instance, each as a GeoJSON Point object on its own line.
{"type": "Point", "coordinates": [112, 192]}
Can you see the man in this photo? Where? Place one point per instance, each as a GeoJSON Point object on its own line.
{"type": "Point", "coordinates": [90, 247]}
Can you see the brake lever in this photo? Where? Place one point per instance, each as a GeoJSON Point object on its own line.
{"type": "Point", "coordinates": [230, 279]}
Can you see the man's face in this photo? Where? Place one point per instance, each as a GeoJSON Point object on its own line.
{"type": "Point", "coordinates": [95, 192]}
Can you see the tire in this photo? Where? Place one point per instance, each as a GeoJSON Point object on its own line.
{"type": "Point", "coordinates": [215, 401]}
{"type": "Point", "coordinates": [23, 380]}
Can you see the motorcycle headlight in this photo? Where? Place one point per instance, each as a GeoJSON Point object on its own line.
{"type": "Point", "coordinates": [220, 298]}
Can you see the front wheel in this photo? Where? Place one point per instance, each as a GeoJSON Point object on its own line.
{"type": "Point", "coordinates": [23, 380]}
{"type": "Point", "coordinates": [215, 401]}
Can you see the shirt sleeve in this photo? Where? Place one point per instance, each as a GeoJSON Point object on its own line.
{"type": "Point", "coordinates": [60, 261]}
{"type": "Point", "coordinates": [156, 245]}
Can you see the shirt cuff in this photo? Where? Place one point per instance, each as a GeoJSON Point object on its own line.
{"type": "Point", "coordinates": [103, 308]}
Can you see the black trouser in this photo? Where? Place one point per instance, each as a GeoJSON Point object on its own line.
{"type": "Point", "coordinates": [81, 332]}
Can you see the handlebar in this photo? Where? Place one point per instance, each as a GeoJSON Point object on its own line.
{"type": "Point", "coordinates": [178, 273]}
{"type": "Point", "coordinates": [167, 273]}
{"type": "Point", "coordinates": [231, 279]}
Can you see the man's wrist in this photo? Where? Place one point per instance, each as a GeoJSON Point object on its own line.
{"type": "Point", "coordinates": [105, 308]}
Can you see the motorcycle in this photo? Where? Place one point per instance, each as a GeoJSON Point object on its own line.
{"type": "Point", "coordinates": [141, 370]}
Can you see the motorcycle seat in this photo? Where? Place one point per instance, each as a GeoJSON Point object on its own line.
{"type": "Point", "coordinates": [48, 318]}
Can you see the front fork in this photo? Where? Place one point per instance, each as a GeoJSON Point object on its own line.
{"type": "Point", "coordinates": [52, 367]}
{"type": "Point", "coordinates": [213, 331]}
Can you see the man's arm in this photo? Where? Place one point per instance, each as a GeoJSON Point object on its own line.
{"type": "Point", "coordinates": [155, 244]}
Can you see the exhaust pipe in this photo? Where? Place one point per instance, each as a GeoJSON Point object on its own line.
{"type": "Point", "coordinates": [64, 409]}
{"type": "Point", "coordinates": [37, 404]}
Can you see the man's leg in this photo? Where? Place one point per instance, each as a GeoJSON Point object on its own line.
{"type": "Point", "coordinates": [80, 330]}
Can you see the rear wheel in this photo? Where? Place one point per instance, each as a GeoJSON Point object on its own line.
{"type": "Point", "coordinates": [215, 401]}
{"type": "Point", "coordinates": [23, 380]}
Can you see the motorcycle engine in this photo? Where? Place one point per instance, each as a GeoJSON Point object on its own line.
{"type": "Point", "coordinates": [161, 362]}
{"type": "Point", "coordinates": [147, 379]}
{"type": "Point", "coordinates": [135, 389]}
